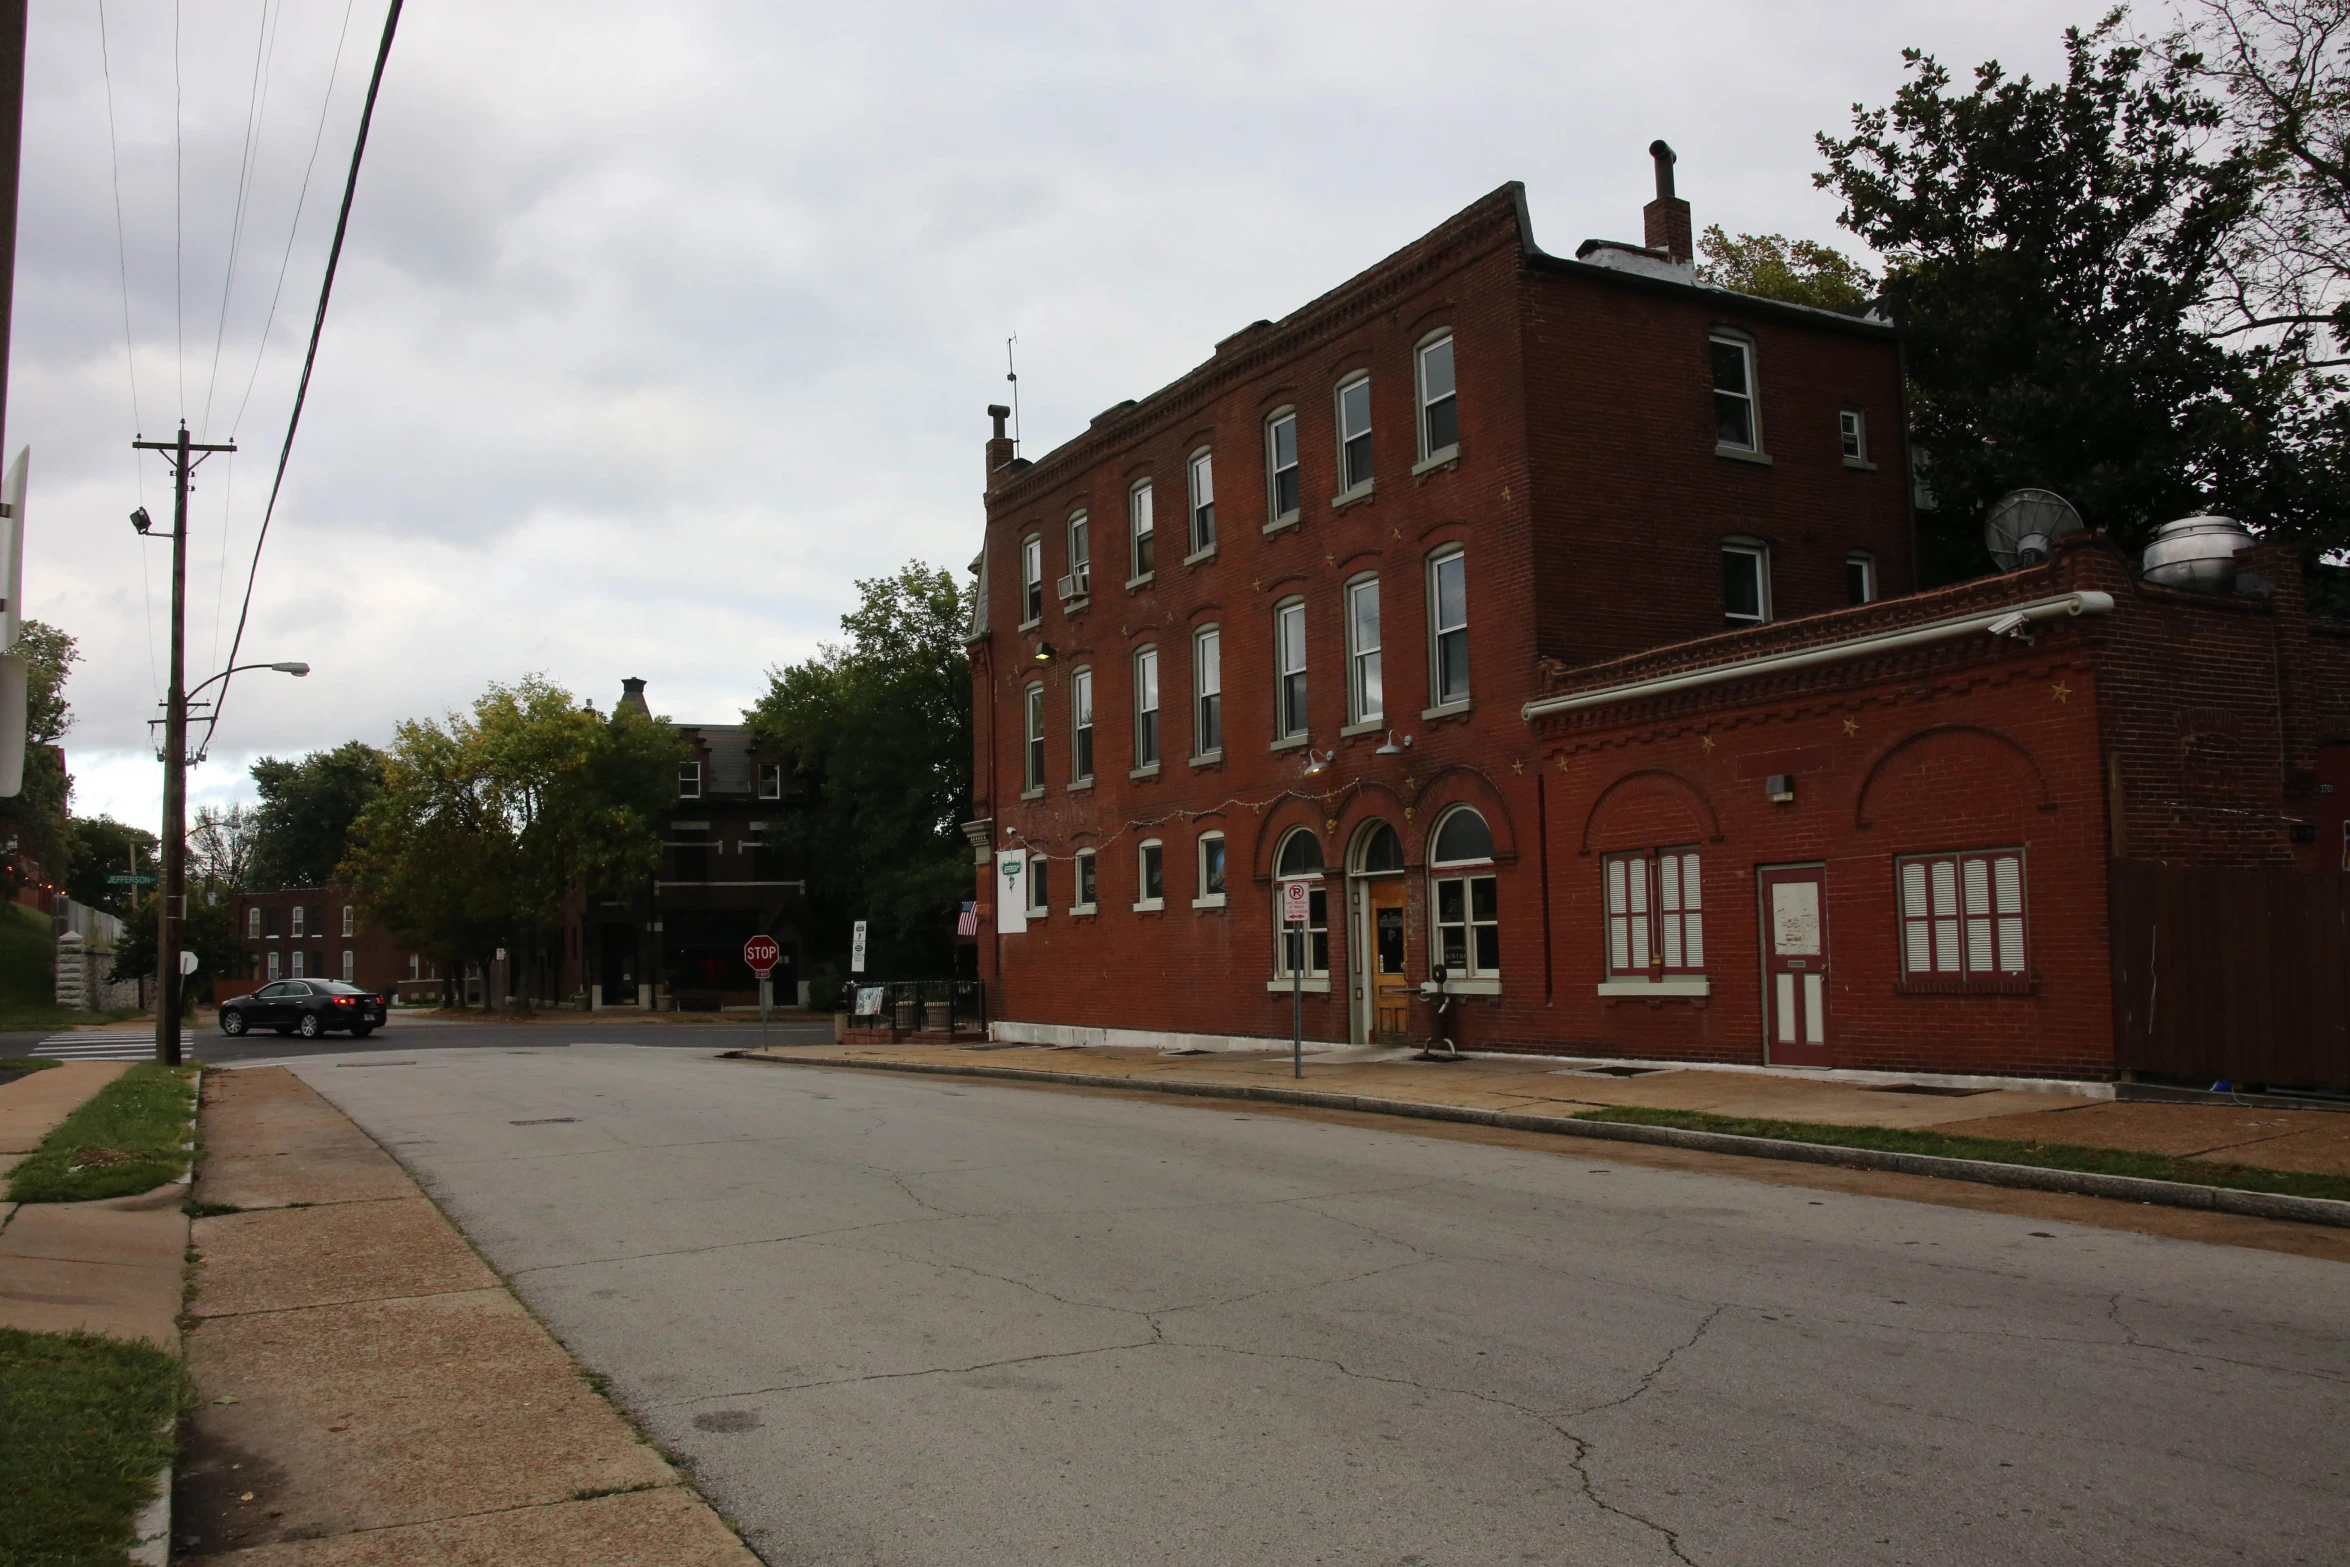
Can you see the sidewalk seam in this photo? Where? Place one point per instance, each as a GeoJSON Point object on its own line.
{"type": "Point", "coordinates": [2127, 1188]}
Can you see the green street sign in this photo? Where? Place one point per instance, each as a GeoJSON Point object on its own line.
{"type": "Point", "coordinates": [126, 879]}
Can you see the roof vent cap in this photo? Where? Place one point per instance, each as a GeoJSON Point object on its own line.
{"type": "Point", "coordinates": [2196, 553]}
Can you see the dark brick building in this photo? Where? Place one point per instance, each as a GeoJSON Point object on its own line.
{"type": "Point", "coordinates": [1460, 594]}
{"type": "Point", "coordinates": [322, 933]}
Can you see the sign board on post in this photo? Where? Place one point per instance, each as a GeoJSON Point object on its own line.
{"type": "Point", "coordinates": [762, 954]}
{"type": "Point", "coordinates": [127, 879]}
{"type": "Point", "coordinates": [1297, 906]}
{"type": "Point", "coordinates": [1296, 901]}
{"type": "Point", "coordinates": [857, 948]}
{"type": "Point", "coordinates": [1011, 892]}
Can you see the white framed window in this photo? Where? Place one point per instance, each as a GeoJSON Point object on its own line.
{"type": "Point", "coordinates": [1039, 886]}
{"type": "Point", "coordinates": [1083, 864]}
{"type": "Point", "coordinates": [1735, 424]}
{"type": "Point", "coordinates": [297, 965]}
{"type": "Point", "coordinates": [1150, 876]}
{"type": "Point", "coordinates": [273, 968]}
{"type": "Point", "coordinates": [1354, 435]}
{"type": "Point", "coordinates": [1211, 871]}
{"type": "Point", "coordinates": [1207, 691]}
{"type": "Point", "coordinates": [770, 780]}
{"type": "Point", "coordinates": [1143, 528]}
{"type": "Point", "coordinates": [1467, 900]}
{"type": "Point", "coordinates": [1365, 696]}
{"type": "Point", "coordinates": [1962, 920]}
{"type": "Point", "coordinates": [1746, 581]}
{"type": "Point", "coordinates": [1289, 645]}
{"type": "Point", "coordinates": [1299, 858]}
{"type": "Point", "coordinates": [350, 966]}
{"type": "Point", "coordinates": [1852, 433]}
{"type": "Point", "coordinates": [253, 924]}
{"type": "Point", "coordinates": [1080, 556]}
{"type": "Point", "coordinates": [1031, 580]}
{"type": "Point", "coordinates": [689, 782]}
{"type": "Point", "coordinates": [415, 966]}
{"type": "Point", "coordinates": [1860, 578]}
{"type": "Point", "coordinates": [350, 917]}
{"type": "Point", "coordinates": [1081, 726]}
{"type": "Point", "coordinates": [1448, 629]}
{"type": "Point", "coordinates": [1283, 489]}
{"type": "Point", "coordinates": [1203, 501]}
{"type": "Point", "coordinates": [1033, 775]}
{"type": "Point", "coordinates": [299, 912]}
{"type": "Point", "coordinates": [1440, 415]}
{"type": "Point", "coordinates": [1655, 902]}
{"type": "Point", "coordinates": [1146, 707]}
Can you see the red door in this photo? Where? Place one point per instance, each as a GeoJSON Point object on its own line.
{"type": "Point", "coordinates": [1795, 965]}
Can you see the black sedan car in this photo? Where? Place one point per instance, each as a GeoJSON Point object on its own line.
{"type": "Point", "coordinates": [309, 1007]}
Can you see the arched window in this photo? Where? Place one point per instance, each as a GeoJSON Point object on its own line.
{"type": "Point", "coordinates": [1381, 851]}
{"type": "Point", "coordinates": [1468, 908]}
{"type": "Point", "coordinates": [1300, 859]}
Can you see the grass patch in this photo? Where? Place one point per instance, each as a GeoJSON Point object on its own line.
{"type": "Point", "coordinates": [14, 1067]}
{"type": "Point", "coordinates": [125, 1138]}
{"type": "Point", "coordinates": [1995, 1150]}
{"type": "Point", "coordinates": [85, 1427]}
{"type": "Point", "coordinates": [28, 975]}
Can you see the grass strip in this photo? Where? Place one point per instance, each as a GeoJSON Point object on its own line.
{"type": "Point", "coordinates": [14, 1067]}
{"type": "Point", "coordinates": [125, 1138]}
{"type": "Point", "coordinates": [85, 1427]}
{"type": "Point", "coordinates": [1994, 1150]}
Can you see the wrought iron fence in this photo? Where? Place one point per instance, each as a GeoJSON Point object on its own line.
{"type": "Point", "coordinates": [927, 1005]}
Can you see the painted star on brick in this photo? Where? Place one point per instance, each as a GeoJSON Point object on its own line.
{"type": "Point", "coordinates": [1851, 726]}
{"type": "Point", "coordinates": [1707, 741]}
{"type": "Point", "coordinates": [1562, 761]}
{"type": "Point", "coordinates": [1519, 768]}
{"type": "Point", "coordinates": [2060, 692]}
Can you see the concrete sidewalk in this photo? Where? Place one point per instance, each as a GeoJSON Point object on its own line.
{"type": "Point", "coordinates": [2302, 1141]}
{"type": "Point", "coordinates": [368, 1391]}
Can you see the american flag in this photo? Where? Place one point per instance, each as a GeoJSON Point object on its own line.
{"type": "Point", "coordinates": [967, 923]}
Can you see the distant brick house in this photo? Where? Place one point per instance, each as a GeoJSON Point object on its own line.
{"type": "Point", "coordinates": [1544, 618]}
{"type": "Point", "coordinates": [322, 933]}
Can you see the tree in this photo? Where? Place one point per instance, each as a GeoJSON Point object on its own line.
{"type": "Point", "coordinates": [101, 847]}
{"type": "Point", "coordinates": [303, 823]}
{"type": "Point", "coordinates": [220, 848]}
{"type": "Point", "coordinates": [2050, 251]}
{"type": "Point", "coordinates": [210, 933]}
{"type": "Point", "coordinates": [38, 817]}
{"type": "Point", "coordinates": [1773, 266]}
{"type": "Point", "coordinates": [486, 822]}
{"type": "Point", "coordinates": [880, 729]}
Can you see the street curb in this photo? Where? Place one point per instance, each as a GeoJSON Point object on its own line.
{"type": "Point", "coordinates": [2079, 1183]}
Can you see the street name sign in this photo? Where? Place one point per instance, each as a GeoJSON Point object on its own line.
{"type": "Point", "coordinates": [126, 879]}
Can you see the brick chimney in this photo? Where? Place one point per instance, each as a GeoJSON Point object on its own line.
{"type": "Point", "coordinates": [999, 445]}
{"type": "Point", "coordinates": [632, 698]}
{"type": "Point", "coordinates": [1665, 221]}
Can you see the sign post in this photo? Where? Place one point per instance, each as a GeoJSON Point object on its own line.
{"type": "Point", "coordinates": [762, 954]}
{"type": "Point", "coordinates": [857, 948]}
{"type": "Point", "coordinates": [1296, 904]}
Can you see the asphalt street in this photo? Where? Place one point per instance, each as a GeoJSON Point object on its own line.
{"type": "Point", "coordinates": [897, 1321]}
{"type": "Point", "coordinates": [135, 1041]}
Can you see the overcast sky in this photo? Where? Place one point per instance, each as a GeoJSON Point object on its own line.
{"type": "Point", "coordinates": [658, 326]}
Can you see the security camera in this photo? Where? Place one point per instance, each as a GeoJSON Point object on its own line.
{"type": "Point", "coordinates": [2010, 625]}
{"type": "Point", "coordinates": [141, 521]}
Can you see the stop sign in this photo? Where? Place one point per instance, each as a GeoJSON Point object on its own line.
{"type": "Point", "coordinates": [762, 954]}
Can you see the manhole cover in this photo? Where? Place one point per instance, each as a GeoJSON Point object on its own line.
{"type": "Point", "coordinates": [547, 1120]}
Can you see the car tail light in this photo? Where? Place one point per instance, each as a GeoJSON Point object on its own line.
{"type": "Point", "coordinates": [342, 1001]}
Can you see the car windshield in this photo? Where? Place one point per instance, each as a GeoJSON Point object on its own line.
{"type": "Point", "coordinates": [335, 987]}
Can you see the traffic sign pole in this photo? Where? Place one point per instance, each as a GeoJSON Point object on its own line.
{"type": "Point", "coordinates": [762, 953]}
{"type": "Point", "coordinates": [1296, 904]}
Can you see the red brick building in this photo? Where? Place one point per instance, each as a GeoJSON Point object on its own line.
{"type": "Point", "coordinates": [322, 933]}
{"type": "Point", "coordinates": [1531, 612]}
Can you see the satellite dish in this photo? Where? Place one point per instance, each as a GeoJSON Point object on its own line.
{"type": "Point", "coordinates": [2024, 526]}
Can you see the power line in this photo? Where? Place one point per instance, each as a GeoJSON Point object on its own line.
{"type": "Point", "coordinates": [334, 256]}
{"type": "Point", "coordinates": [179, 305]}
{"type": "Point", "coordinates": [130, 353]}
{"type": "Point", "coordinates": [256, 106]}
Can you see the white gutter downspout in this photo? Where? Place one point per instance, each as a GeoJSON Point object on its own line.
{"type": "Point", "coordinates": [2088, 602]}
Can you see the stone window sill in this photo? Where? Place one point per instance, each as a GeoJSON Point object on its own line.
{"type": "Point", "coordinates": [1741, 454]}
{"type": "Point", "coordinates": [1444, 710]}
{"type": "Point", "coordinates": [1446, 458]}
{"type": "Point", "coordinates": [1369, 726]}
{"type": "Point", "coordinates": [1693, 985]}
{"type": "Point", "coordinates": [1031, 625]}
{"type": "Point", "coordinates": [1032, 794]}
{"type": "Point", "coordinates": [1076, 606]}
{"type": "Point", "coordinates": [1146, 770]}
{"type": "Point", "coordinates": [1084, 908]}
{"type": "Point", "coordinates": [1312, 987]}
{"type": "Point", "coordinates": [1149, 905]}
{"type": "Point", "coordinates": [1213, 758]}
{"type": "Point", "coordinates": [1356, 496]}
{"type": "Point", "coordinates": [1143, 581]}
{"type": "Point", "coordinates": [1486, 985]}
{"type": "Point", "coordinates": [1213, 900]}
{"type": "Point", "coordinates": [1279, 523]}
{"type": "Point", "coordinates": [1196, 556]}
{"type": "Point", "coordinates": [1861, 463]}
{"type": "Point", "coordinates": [1081, 785]}
{"type": "Point", "coordinates": [1290, 744]}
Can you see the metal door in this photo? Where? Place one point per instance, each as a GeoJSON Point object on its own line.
{"type": "Point", "coordinates": [1390, 989]}
{"type": "Point", "coordinates": [1795, 964]}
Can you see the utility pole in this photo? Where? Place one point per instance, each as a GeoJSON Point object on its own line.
{"type": "Point", "coordinates": [172, 907]}
{"type": "Point", "coordinates": [12, 30]}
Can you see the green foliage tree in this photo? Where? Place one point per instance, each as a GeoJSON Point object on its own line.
{"type": "Point", "coordinates": [39, 816]}
{"type": "Point", "coordinates": [220, 848]}
{"type": "Point", "coordinates": [101, 847]}
{"type": "Point", "coordinates": [1773, 266]}
{"type": "Point", "coordinates": [488, 820]}
{"type": "Point", "coordinates": [2050, 251]}
{"type": "Point", "coordinates": [303, 823]}
{"type": "Point", "coordinates": [880, 729]}
{"type": "Point", "coordinates": [210, 933]}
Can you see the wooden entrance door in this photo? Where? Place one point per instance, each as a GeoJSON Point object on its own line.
{"type": "Point", "coordinates": [1391, 990]}
{"type": "Point", "coordinates": [1795, 965]}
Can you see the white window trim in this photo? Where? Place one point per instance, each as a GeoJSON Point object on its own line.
{"type": "Point", "coordinates": [1032, 733]}
{"type": "Point", "coordinates": [1678, 985]}
{"type": "Point", "coordinates": [1463, 871]}
{"type": "Point", "coordinates": [1031, 550]}
{"type": "Point", "coordinates": [1037, 908]}
{"type": "Point", "coordinates": [1435, 456]}
{"type": "Point", "coordinates": [350, 966]}
{"type": "Point", "coordinates": [1760, 550]}
{"type": "Point", "coordinates": [350, 917]}
{"type": "Point", "coordinates": [1149, 905]}
{"type": "Point", "coordinates": [1347, 383]}
{"type": "Point", "coordinates": [769, 770]}
{"type": "Point", "coordinates": [1149, 766]}
{"type": "Point", "coordinates": [1137, 573]}
{"type": "Point", "coordinates": [1284, 733]}
{"type": "Point", "coordinates": [1200, 634]}
{"type": "Point", "coordinates": [1320, 879]}
{"type": "Point", "coordinates": [1655, 979]}
{"type": "Point", "coordinates": [1275, 518]}
{"type": "Point", "coordinates": [1860, 427]}
{"type": "Point", "coordinates": [1356, 713]}
{"type": "Point", "coordinates": [1966, 981]}
{"type": "Point", "coordinates": [1199, 872]}
{"type": "Point", "coordinates": [1198, 551]}
{"type": "Point", "coordinates": [1078, 519]}
{"type": "Point", "coordinates": [1739, 340]}
{"type": "Point", "coordinates": [1081, 679]}
{"type": "Point", "coordinates": [1868, 563]}
{"type": "Point", "coordinates": [253, 924]}
{"type": "Point", "coordinates": [294, 922]}
{"type": "Point", "coordinates": [1077, 883]}
{"type": "Point", "coordinates": [684, 793]}
{"type": "Point", "coordinates": [1438, 705]}
{"type": "Point", "coordinates": [274, 976]}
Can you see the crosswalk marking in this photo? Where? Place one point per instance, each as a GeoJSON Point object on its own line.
{"type": "Point", "coordinates": [97, 1046]}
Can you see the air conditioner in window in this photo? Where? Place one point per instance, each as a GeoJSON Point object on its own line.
{"type": "Point", "coordinates": [1068, 587]}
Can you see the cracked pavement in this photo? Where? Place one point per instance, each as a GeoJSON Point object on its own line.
{"type": "Point", "coordinates": [902, 1320]}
